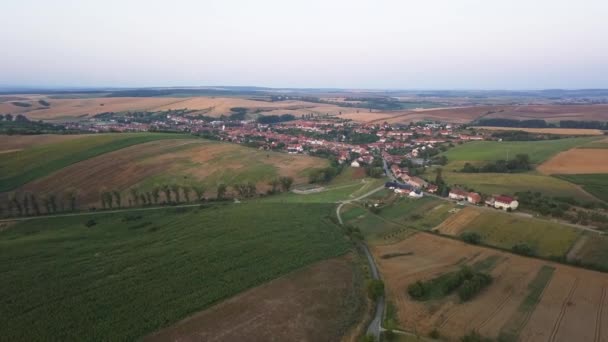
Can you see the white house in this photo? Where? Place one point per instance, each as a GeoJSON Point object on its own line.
{"type": "Point", "coordinates": [458, 194]}
{"type": "Point", "coordinates": [505, 203]}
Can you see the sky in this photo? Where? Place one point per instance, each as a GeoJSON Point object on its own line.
{"type": "Point", "coordinates": [384, 44]}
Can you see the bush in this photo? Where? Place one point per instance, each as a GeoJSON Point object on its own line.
{"type": "Point", "coordinates": [434, 334]}
{"type": "Point", "coordinates": [90, 223]}
{"type": "Point", "coordinates": [471, 237]}
{"type": "Point", "coordinates": [523, 249]}
{"type": "Point", "coordinates": [417, 290]}
{"type": "Point", "coordinates": [471, 287]}
{"type": "Point", "coordinates": [375, 289]}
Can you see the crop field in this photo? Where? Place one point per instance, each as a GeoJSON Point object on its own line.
{"type": "Point", "coordinates": [538, 151]}
{"type": "Point", "coordinates": [13, 143]}
{"type": "Point", "coordinates": [301, 300]}
{"type": "Point", "coordinates": [529, 299]}
{"type": "Point", "coordinates": [71, 109]}
{"type": "Point", "coordinates": [552, 112]}
{"type": "Point", "coordinates": [67, 278]}
{"type": "Point", "coordinates": [183, 162]}
{"type": "Point", "coordinates": [559, 131]}
{"type": "Point", "coordinates": [595, 184]}
{"type": "Point", "coordinates": [577, 161]}
{"type": "Point", "coordinates": [510, 183]}
{"type": "Point", "coordinates": [20, 167]}
{"type": "Point", "coordinates": [507, 230]}
{"type": "Point", "coordinates": [592, 251]}
{"type": "Point", "coordinates": [455, 224]}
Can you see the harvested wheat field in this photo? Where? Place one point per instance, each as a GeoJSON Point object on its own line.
{"type": "Point", "coordinates": [11, 143]}
{"type": "Point", "coordinates": [552, 112]}
{"type": "Point", "coordinates": [216, 106]}
{"type": "Point", "coordinates": [529, 299]}
{"type": "Point", "coordinates": [456, 223]}
{"type": "Point", "coordinates": [318, 303]}
{"type": "Point", "coordinates": [577, 161]}
{"type": "Point", "coordinates": [183, 162]}
{"type": "Point", "coordinates": [70, 109]}
{"type": "Point", "coordinates": [559, 131]}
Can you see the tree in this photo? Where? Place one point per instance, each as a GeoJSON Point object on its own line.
{"type": "Point", "coordinates": [149, 197]}
{"type": "Point", "coordinates": [200, 192]}
{"type": "Point", "coordinates": [286, 183]}
{"type": "Point", "coordinates": [53, 202]}
{"type": "Point", "coordinates": [70, 197]}
{"type": "Point", "coordinates": [186, 190]}
{"type": "Point", "coordinates": [471, 237]}
{"type": "Point", "coordinates": [167, 191]}
{"type": "Point", "coordinates": [47, 203]}
{"type": "Point", "coordinates": [26, 204]}
{"type": "Point", "coordinates": [274, 184]}
{"type": "Point", "coordinates": [375, 289]}
{"type": "Point", "coordinates": [156, 194]}
{"type": "Point", "coordinates": [221, 191]}
{"type": "Point", "coordinates": [34, 203]}
{"type": "Point", "coordinates": [134, 195]}
{"type": "Point", "coordinates": [12, 197]}
{"type": "Point", "coordinates": [117, 198]}
{"type": "Point", "coordinates": [175, 189]}
{"type": "Point", "coordinates": [438, 176]}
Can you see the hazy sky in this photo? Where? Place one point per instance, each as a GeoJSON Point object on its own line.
{"type": "Point", "coordinates": [422, 44]}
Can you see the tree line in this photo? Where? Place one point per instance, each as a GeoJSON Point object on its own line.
{"type": "Point", "coordinates": [28, 203]}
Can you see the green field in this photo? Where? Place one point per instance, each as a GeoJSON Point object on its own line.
{"type": "Point", "coordinates": [595, 184]}
{"type": "Point", "coordinates": [20, 167]}
{"type": "Point", "coordinates": [594, 252]}
{"type": "Point", "coordinates": [129, 275]}
{"type": "Point", "coordinates": [510, 183]}
{"type": "Point", "coordinates": [547, 239]}
{"type": "Point", "coordinates": [538, 151]}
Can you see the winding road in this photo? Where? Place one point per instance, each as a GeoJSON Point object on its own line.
{"type": "Point", "coordinates": [375, 326]}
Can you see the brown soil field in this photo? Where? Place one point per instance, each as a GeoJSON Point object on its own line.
{"type": "Point", "coordinates": [210, 106]}
{"type": "Point", "coordinates": [454, 224]}
{"type": "Point", "coordinates": [74, 108]}
{"type": "Point", "coordinates": [181, 161]}
{"type": "Point", "coordinates": [19, 142]}
{"type": "Point", "coordinates": [561, 131]}
{"type": "Point", "coordinates": [308, 305]}
{"type": "Point", "coordinates": [563, 312]}
{"type": "Point", "coordinates": [553, 112]}
{"type": "Point", "coordinates": [577, 161]}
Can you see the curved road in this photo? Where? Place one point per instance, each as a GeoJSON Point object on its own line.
{"type": "Point", "coordinates": [375, 326]}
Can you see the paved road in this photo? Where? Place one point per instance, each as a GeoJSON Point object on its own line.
{"type": "Point", "coordinates": [375, 326]}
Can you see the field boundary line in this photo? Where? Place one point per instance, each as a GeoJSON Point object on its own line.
{"type": "Point", "coordinates": [598, 317]}
{"type": "Point", "coordinates": [498, 308]}
{"type": "Point", "coordinates": [562, 312]}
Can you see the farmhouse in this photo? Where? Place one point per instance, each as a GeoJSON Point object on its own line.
{"type": "Point", "coordinates": [473, 198]}
{"type": "Point", "coordinates": [417, 182]}
{"type": "Point", "coordinates": [505, 203]}
{"type": "Point", "coordinates": [458, 194]}
{"type": "Point", "coordinates": [415, 194]}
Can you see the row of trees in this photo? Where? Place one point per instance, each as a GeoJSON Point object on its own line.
{"type": "Point", "coordinates": [28, 203]}
{"type": "Point", "coordinates": [519, 164]}
{"type": "Point", "coordinates": [25, 204]}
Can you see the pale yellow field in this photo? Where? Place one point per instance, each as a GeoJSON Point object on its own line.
{"type": "Point", "coordinates": [566, 131]}
{"type": "Point", "coordinates": [577, 161]}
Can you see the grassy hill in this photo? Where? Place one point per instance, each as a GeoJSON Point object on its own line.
{"type": "Point", "coordinates": [131, 274]}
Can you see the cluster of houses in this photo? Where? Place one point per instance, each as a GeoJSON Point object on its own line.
{"type": "Point", "coordinates": [496, 201]}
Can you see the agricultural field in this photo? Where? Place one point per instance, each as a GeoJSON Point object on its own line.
{"type": "Point", "coordinates": [37, 161]}
{"type": "Point", "coordinates": [13, 143]}
{"type": "Point", "coordinates": [592, 250]}
{"type": "Point", "coordinates": [577, 161]}
{"type": "Point", "coordinates": [504, 230]}
{"type": "Point", "coordinates": [299, 300]}
{"type": "Point", "coordinates": [595, 184]}
{"type": "Point", "coordinates": [175, 160]}
{"type": "Point", "coordinates": [528, 300]}
{"type": "Point", "coordinates": [170, 264]}
{"type": "Point", "coordinates": [77, 108]}
{"type": "Point", "coordinates": [558, 131]}
{"type": "Point", "coordinates": [539, 151]}
{"type": "Point", "coordinates": [511, 183]}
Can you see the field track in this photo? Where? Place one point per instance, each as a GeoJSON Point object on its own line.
{"type": "Point", "coordinates": [598, 318]}
{"type": "Point", "coordinates": [562, 312]}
